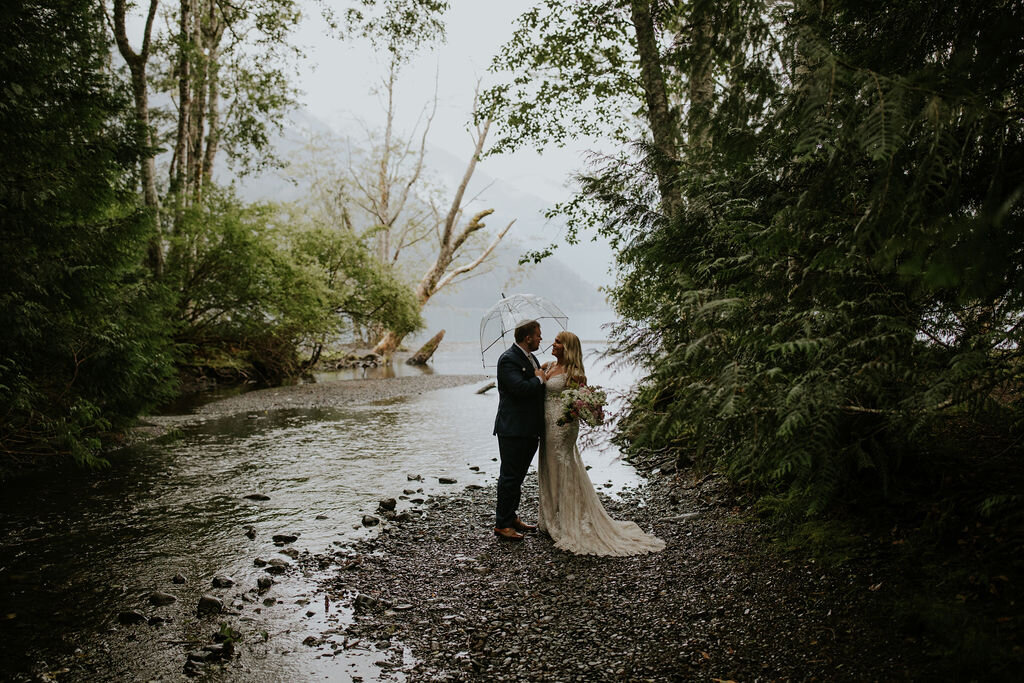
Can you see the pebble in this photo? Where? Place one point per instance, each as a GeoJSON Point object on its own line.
{"type": "Point", "coordinates": [130, 617]}
{"type": "Point", "coordinates": [284, 538]}
{"type": "Point", "coordinates": [209, 604]}
{"type": "Point", "coordinates": [276, 565]}
{"type": "Point", "coordinates": [159, 598]}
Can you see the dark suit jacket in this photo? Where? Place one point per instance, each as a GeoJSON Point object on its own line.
{"type": "Point", "coordinates": [520, 396]}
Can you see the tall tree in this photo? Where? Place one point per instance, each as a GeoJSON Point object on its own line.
{"type": "Point", "coordinates": [385, 193]}
{"type": "Point", "coordinates": [451, 243]}
{"type": "Point", "coordinates": [635, 74]}
{"type": "Point", "coordinates": [137, 65]}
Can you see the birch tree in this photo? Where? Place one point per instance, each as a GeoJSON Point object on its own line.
{"type": "Point", "coordinates": [138, 62]}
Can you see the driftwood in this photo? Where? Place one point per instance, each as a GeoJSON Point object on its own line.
{"type": "Point", "coordinates": [485, 388]}
{"type": "Point", "coordinates": [426, 351]}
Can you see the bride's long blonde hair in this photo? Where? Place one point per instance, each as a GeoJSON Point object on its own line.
{"type": "Point", "coordinates": [572, 356]}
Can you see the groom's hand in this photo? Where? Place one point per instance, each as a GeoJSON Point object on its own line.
{"type": "Point", "coordinates": [540, 373]}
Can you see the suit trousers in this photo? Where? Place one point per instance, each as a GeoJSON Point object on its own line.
{"type": "Point", "coordinates": [516, 454]}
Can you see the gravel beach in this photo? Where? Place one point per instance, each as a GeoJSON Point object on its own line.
{"type": "Point", "coordinates": [718, 604]}
{"type": "Point", "coordinates": [314, 395]}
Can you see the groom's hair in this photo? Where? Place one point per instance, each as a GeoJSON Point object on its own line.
{"type": "Point", "coordinates": [526, 329]}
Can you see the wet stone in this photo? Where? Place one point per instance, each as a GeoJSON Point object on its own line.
{"type": "Point", "coordinates": [285, 538]}
{"type": "Point", "coordinates": [222, 581]}
{"type": "Point", "coordinates": [159, 598]}
{"type": "Point", "coordinates": [447, 480]}
{"type": "Point", "coordinates": [257, 496]}
{"type": "Point", "coordinates": [387, 504]}
{"type": "Point", "coordinates": [209, 604]}
{"type": "Point", "coordinates": [178, 578]}
{"type": "Point", "coordinates": [130, 617]}
{"type": "Point", "coordinates": [264, 583]}
{"type": "Point", "coordinates": [277, 566]}
{"type": "Point", "coordinates": [370, 520]}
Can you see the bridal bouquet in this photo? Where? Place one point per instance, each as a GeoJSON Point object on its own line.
{"type": "Point", "coordinates": [586, 404]}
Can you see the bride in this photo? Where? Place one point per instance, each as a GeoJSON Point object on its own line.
{"type": "Point", "coordinates": [570, 511]}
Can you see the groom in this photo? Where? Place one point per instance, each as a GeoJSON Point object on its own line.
{"type": "Point", "coordinates": [519, 425]}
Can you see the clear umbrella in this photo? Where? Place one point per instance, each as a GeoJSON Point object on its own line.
{"type": "Point", "coordinates": [497, 327]}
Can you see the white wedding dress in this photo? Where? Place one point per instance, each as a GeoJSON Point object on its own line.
{"type": "Point", "coordinates": [570, 511]}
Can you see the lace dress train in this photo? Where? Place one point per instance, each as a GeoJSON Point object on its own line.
{"type": "Point", "coordinates": [570, 511]}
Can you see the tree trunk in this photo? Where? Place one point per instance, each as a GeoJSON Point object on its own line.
{"type": "Point", "coordinates": [450, 242]}
{"type": "Point", "coordinates": [140, 91]}
{"type": "Point", "coordinates": [213, 118]}
{"type": "Point", "coordinates": [197, 115]}
{"type": "Point", "coordinates": [426, 351]}
{"type": "Point", "coordinates": [388, 343]}
{"type": "Point", "coordinates": [659, 115]}
{"type": "Point", "coordinates": [701, 84]}
{"type": "Point", "coordinates": [178, 164]}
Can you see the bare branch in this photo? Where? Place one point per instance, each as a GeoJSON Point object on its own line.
{"type": "Point", "coordinates": [461, 191]}
{"type": "Point", "coordinates": [480, 259]}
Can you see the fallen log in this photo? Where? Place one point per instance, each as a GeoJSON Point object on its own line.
{"type": "Point", "coordinates": [426, 351]}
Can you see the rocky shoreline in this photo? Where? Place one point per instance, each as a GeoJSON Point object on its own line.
{"type": "Point", "coordinates": [442, 599]}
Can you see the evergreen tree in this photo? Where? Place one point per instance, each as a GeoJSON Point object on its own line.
{"type": "Point", "coordinates": [83, 342]}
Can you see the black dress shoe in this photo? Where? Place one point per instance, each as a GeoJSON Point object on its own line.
{"type": "Point", "coordinates": [508, 533]}
{"type": "Point", "coordinates": [520, 525]}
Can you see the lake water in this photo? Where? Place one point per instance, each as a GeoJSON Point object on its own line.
{"type": "Point", "coordinates": [77, 548]}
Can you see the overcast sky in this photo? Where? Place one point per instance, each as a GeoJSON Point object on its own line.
{"type": "Point", "coordinates": [338, 77]}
